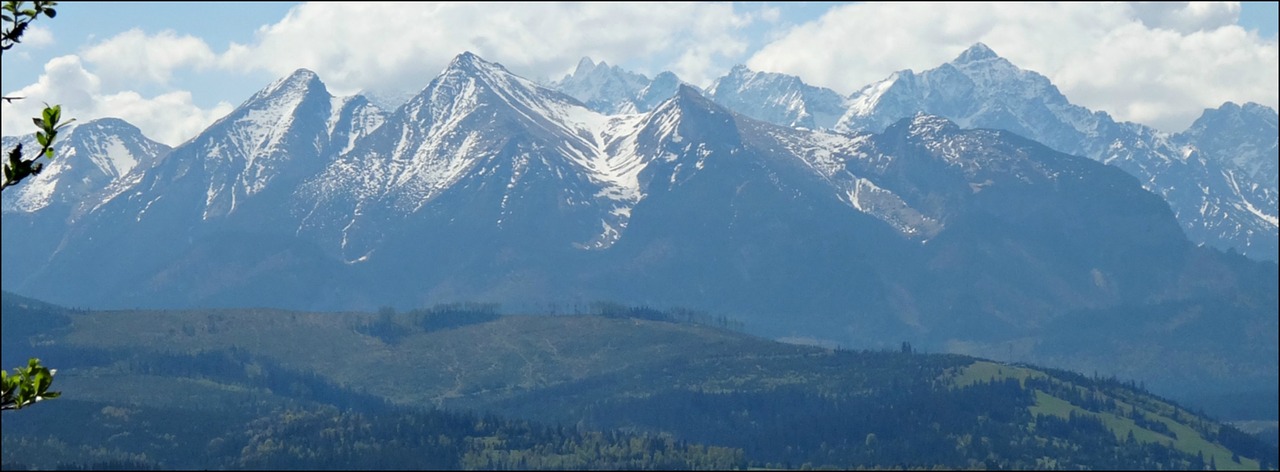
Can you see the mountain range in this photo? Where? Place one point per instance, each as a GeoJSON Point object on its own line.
{"type": "Point", "coordinates": [924, 208]}
{"type": "Point", "coordinates": [1219, 176]}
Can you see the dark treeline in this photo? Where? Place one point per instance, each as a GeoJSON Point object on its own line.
{"type": "Point", "coordinates": [236, 366]}
{"type": "Point", "coordinates": [328, 439]}
{"type": "Point", "coordinates": [391, 326]}
{"type": "Point", "coordinates": [669, 315]}
{"type": "Point", "coordinates": [911, 426]}
{"type": "Point", "coordinates": [986, 425]}
{"type": "Point", "coordinates": [323, 437]}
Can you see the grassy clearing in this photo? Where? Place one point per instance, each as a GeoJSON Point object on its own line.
{"type": "Point", "coordinates": [982, 371]}
{"type": "Point", "coordinates": [1188, 440]}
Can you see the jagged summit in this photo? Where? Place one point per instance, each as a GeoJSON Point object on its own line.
{"type": "Point", "coordinates": [604, 88]}
{"type": "Point", "coordinates": [686, 92]}
{"type": "Point", "coordinates": [303, 73]}
{"type": "Point", "coordinates": [777, 98]}
{"type": "Point", "coordinates": [1254, 107]}
{"type": "Point", "coordinates": [667, 77]}
{"type": "Point", "coordinates": [465, 57]}
{"type": "Point", "coordinates": [91, 155]}
{"type": "Point", "coordinates": [300, 80]}
{"type": "Point", "coordinates": [588, 66]}
{"type": "Point", "coordinates": [107, 122]}
{"type": "Point", "coordinates": [687, 101]}
{"type": "Point", "coordinates": [470, 62]}
{"type": "Point", "coordinates": [975, 53]}
{"type": "Point", "coordinates": [925, 124]}
{"type": "Point", "coordinates": [1240, 111]}
{"type": "Point", "coordinates": [1248, 114]}
{"type": "Point", "coordinates": [979, 89]}
{"type": "Point", "coordinates": [469, 77]}
{"type": "Point", "coordinates": [1243, 139]}
{"type": "Point", "coordinates": [585, 64]}
{"type": "Point", "coordinates": [740, 76]}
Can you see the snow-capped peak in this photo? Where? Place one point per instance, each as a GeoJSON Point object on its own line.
{"type": "Point", "coordinates": [91, 157]}
{"type": "Point", "coordinates": [1242, 138]}
{"type": "Point", "coordinates": [280, 130]}
{"type": "Point", "coordinates": [299, 80]}
{"type": "Point", "coordinates": [466, 59]}
{"type": "Point", "coordinates": [468, 66]}
{"type": "Point", "coordinates": [686, 100]}
{"type": "Point", "coordinates": [975, 53]}
{"type": "Point", "coordinates": [776, 98]}
{"type": "Point", "coordinates": [585, 66]}
{"type": "Point", "coordinates": [604, 88]}
{"type": "Point", "coordinates": [926, 125]}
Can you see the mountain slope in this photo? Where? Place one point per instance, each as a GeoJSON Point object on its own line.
{"type": "Point", "coordinates": [94, 160]}
{"type": "Point", "coordinates": [157, 235]}
{"type": "Point", "coordinates": [477, 127]}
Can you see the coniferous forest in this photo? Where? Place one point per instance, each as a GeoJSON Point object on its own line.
{"type": "Point", "coordinates": [465, 387]}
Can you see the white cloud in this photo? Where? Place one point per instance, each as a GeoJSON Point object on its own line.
{"type": "Point", "coordinates": [770, 14]}
{"type": "Point", "coordinates": [1159, 64]}
{"type": "Point", "coordinates": [1186, 17]}
{"type": "Point", "coordinates": [170, 118]}
{"type": "Point", "coordinates": [402, 47]}
{"type": "Point", "coordinates": [37, 36]}
{"type": "Point", "coordinates": [134, 56]}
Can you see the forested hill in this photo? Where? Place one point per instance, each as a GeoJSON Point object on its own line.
{"type": "Point", "coordinates": [463, 386]}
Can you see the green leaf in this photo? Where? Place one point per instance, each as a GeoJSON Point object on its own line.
{"type": "Point", "coordinates": [42, 138]}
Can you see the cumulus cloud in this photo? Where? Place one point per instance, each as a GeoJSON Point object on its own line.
{"type": "Point", "coordinates": [1158, 64]}
{"type": "Point", "coordinates": [1186, 17]}
{"type": "Point", "coordinates": [37, 36]}
{"type": "Point", "coordinates": [135, 56]}
{"type": "Point", "coordinates": [170, 118]}
{"type": "Point", "coordinates": [369, 46]}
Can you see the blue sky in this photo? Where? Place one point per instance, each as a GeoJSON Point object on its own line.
{"type": "Point", "coordinates": [173, 68]}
